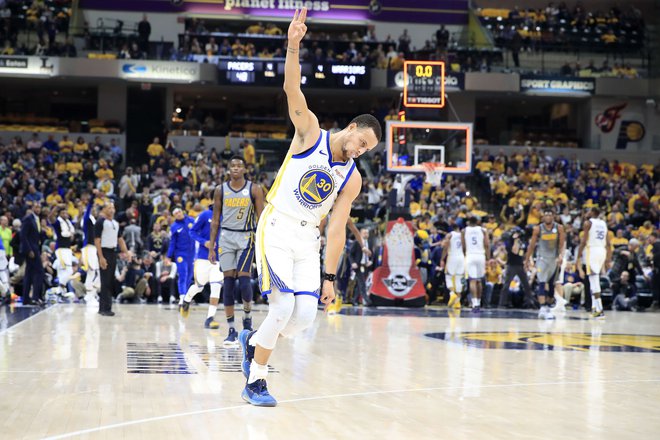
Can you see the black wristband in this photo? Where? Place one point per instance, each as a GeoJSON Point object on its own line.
{"type": "Point", "coordinates": [329, 277]}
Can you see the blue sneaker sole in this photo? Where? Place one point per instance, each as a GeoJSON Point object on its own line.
{"type": "Point", "coordinates": [247, 398]}
{"type": "Point", "coordinates": [245, 365]}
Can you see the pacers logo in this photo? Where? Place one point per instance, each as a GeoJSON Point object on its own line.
{"type": "Point", "coordinates": [315, 186]}
{"type": "Point", "coordinates": [554, 341]}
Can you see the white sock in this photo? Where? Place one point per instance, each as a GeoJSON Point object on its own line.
{"type": "Point", "coordinates": [474, 302]}
{"type": "Point", "coordinates": [478, 302]}
{"type": "Point", "coordinates": [593, 302]}
{"type": "Point", "coordinates": [257, 371]}
{"type": "Point", "coordinates": [212, 310]}
{"type": "Point", "coordinates": [181, 299]}
{"type": "Point", "coordinates": [599, 304]}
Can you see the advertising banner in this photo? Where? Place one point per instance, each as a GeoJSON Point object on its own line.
{"type": "Point", "coordinates": [158, 71]}
{"type": "Point", "coordinates": [557, 84]}
{"type": "Point", "coordinates": [623, 124]}
{"type": "Point", "coordinates": [398, 280]}
{"type": "Point", "coordinates": [418, 11]}
{"type": "Point", "coordinates": [19, 66]}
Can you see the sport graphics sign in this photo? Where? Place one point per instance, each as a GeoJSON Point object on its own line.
{"type": "Point", "coordinates": [159, 71]}
{"type": "Point", "coordinates": [619, 125]}
{"type": "Point", "coordinates": [398, 280]}
{"type": "Point", "coordinates": [552, 84]}
{"type": "Point", "coordinates": [418, 11]}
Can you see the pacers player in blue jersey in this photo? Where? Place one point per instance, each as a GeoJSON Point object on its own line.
{"type": "Point", "coordinates": [204, 271]}
{"type": "Point", "coordinates": [318, 175]}
{"type": "Point", "coordinates": [182, 250]}
{"type": "Point", "coordinates": [239, 202]}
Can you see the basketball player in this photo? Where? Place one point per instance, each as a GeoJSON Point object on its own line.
{"type": "Point", "coordinates": [90, 259]}
{"type": "Point", "coordinates": [239, 202]}
{"type": "Point", "coordinates": [181, 250]}
{"type": "Point", "coordinates": [453, 264]}
{"type": "Point", "coordinates": [204, 271]}
{"type": "Point", "coordinates": [551, 238]}
{"type": "Point", "coordinates": [477, 250]}
{"type": "Point", "coordinates": [318, 174]}
{"type": "Point", "coordinates": [595, 251]}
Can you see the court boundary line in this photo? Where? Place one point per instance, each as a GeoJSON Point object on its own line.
{"type": "Point", "coordinates": [338, 396]}
{"type": "Point", "coordinates": [39, 313]}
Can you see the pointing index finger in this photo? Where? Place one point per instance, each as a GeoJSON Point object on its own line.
{"type": "Point", "coordinates": [303, 15]}
{"type": "Point", "coordinates": [295, 15]}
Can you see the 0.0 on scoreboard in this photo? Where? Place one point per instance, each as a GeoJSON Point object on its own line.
{"type": "Point", "coordinates": [424, 84]}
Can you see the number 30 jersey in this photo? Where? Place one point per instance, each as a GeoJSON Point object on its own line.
{"type": "Point", "coordinates": [308, 183]}
{"type": "Point", "coordinates": [597, 234]}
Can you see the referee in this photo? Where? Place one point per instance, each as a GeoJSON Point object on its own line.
{"type": "Point", "coordinates": [106, 233]}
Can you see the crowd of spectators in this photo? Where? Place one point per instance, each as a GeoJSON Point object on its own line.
{"type": "Point", "coordinates": [560, 27]}
{"type": "Point", "coordinates": [67, 177]}
{"type": "Point", "coordinates": [46, 19]}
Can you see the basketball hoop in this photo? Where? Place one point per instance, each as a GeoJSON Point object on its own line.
{"type": "Point", "coordinates": [433, 171]}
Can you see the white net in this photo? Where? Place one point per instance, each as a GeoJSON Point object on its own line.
{"type": "Point", "coordinates": [433, 171]}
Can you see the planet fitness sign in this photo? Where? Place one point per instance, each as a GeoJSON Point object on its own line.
{"type": "Point", "coordinates": [418, 11]}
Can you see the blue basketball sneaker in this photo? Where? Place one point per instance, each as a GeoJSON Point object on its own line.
{"type": "Point", "coordinates": [247, 350]}
{"type": "Point", "coordinates": [232, 338]}
{"type": "Point", "coordinates": [247, 323]}
{"type": "Point", "coordinates": [257, 394]}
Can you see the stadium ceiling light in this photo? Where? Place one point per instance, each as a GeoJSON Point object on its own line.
{"type": "Point", "coordinates": [178, 110]}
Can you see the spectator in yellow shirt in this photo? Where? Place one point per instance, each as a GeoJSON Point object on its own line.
{"type": "Point", "coordinates": [249, 153]}
{"type": "Point", "coordinates": [74, 167]}
{"type": "Point", "coordinates": [80, 146]}
{"type": "Point", "coordinates": [53, 198]}
{"type": "Point", "coordinates": [271, 29]}
{"type": "Point", "coordinates": [66, 146]}
{"type": "Point", "coordinates": [104, 171]}
{"type": "Point", "coordinates": [155, 149]}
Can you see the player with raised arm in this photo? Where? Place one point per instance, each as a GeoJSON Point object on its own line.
{"type": "Point", "coordinates": [318, 174]}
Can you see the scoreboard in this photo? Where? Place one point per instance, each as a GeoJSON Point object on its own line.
{"type": "Point", "coordinates": [271, 72]}
{"type": "Point", "coordinates": [424, 84]}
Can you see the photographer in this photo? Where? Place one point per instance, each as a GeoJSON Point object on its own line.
{"type": "Point", "coordinates": [515, 248]}
{"type": "Point", "coordinates": [135, 281]}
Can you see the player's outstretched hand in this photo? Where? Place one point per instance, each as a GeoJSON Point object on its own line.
{"type": "Point", "coordinates": [327, 294]}
{"type": "Point", "coordinates": [297, 27]}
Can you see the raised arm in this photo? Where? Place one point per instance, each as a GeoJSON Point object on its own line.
{"type": "Point", "coordinates": [215, 221]}
{"type": "Point", "coordinates": [306, 123]}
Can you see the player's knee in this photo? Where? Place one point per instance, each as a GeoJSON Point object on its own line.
{"type": "Point", "coordinates": [305, 315]}
{"type": "Point", "coordinates": [281, 307]}
{"type": "Point", "coordinates": [245, 285]}
{"type": "Point", "coordinates": [594, 283]}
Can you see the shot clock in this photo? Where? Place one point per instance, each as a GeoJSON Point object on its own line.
{"type": "Point", "coordinates": [424, 84]}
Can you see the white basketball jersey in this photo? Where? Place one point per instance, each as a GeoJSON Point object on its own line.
{"type": "Point", "coordinates": [308, 184]}
{"type": "Point", "coordinates": [474, 240]}
{"type": "Point", "coordinates": [597, 234]}
{"type": "Point", "coordinates": [455, 245]}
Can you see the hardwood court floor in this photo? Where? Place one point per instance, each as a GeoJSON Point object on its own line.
{"type": "Point", "coordinates": [147, 374]}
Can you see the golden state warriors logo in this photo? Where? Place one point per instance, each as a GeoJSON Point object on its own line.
{"type": "Point", "coordinates": [554, 341]}
{"type": "Point", "coordinates": [315, 186]}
